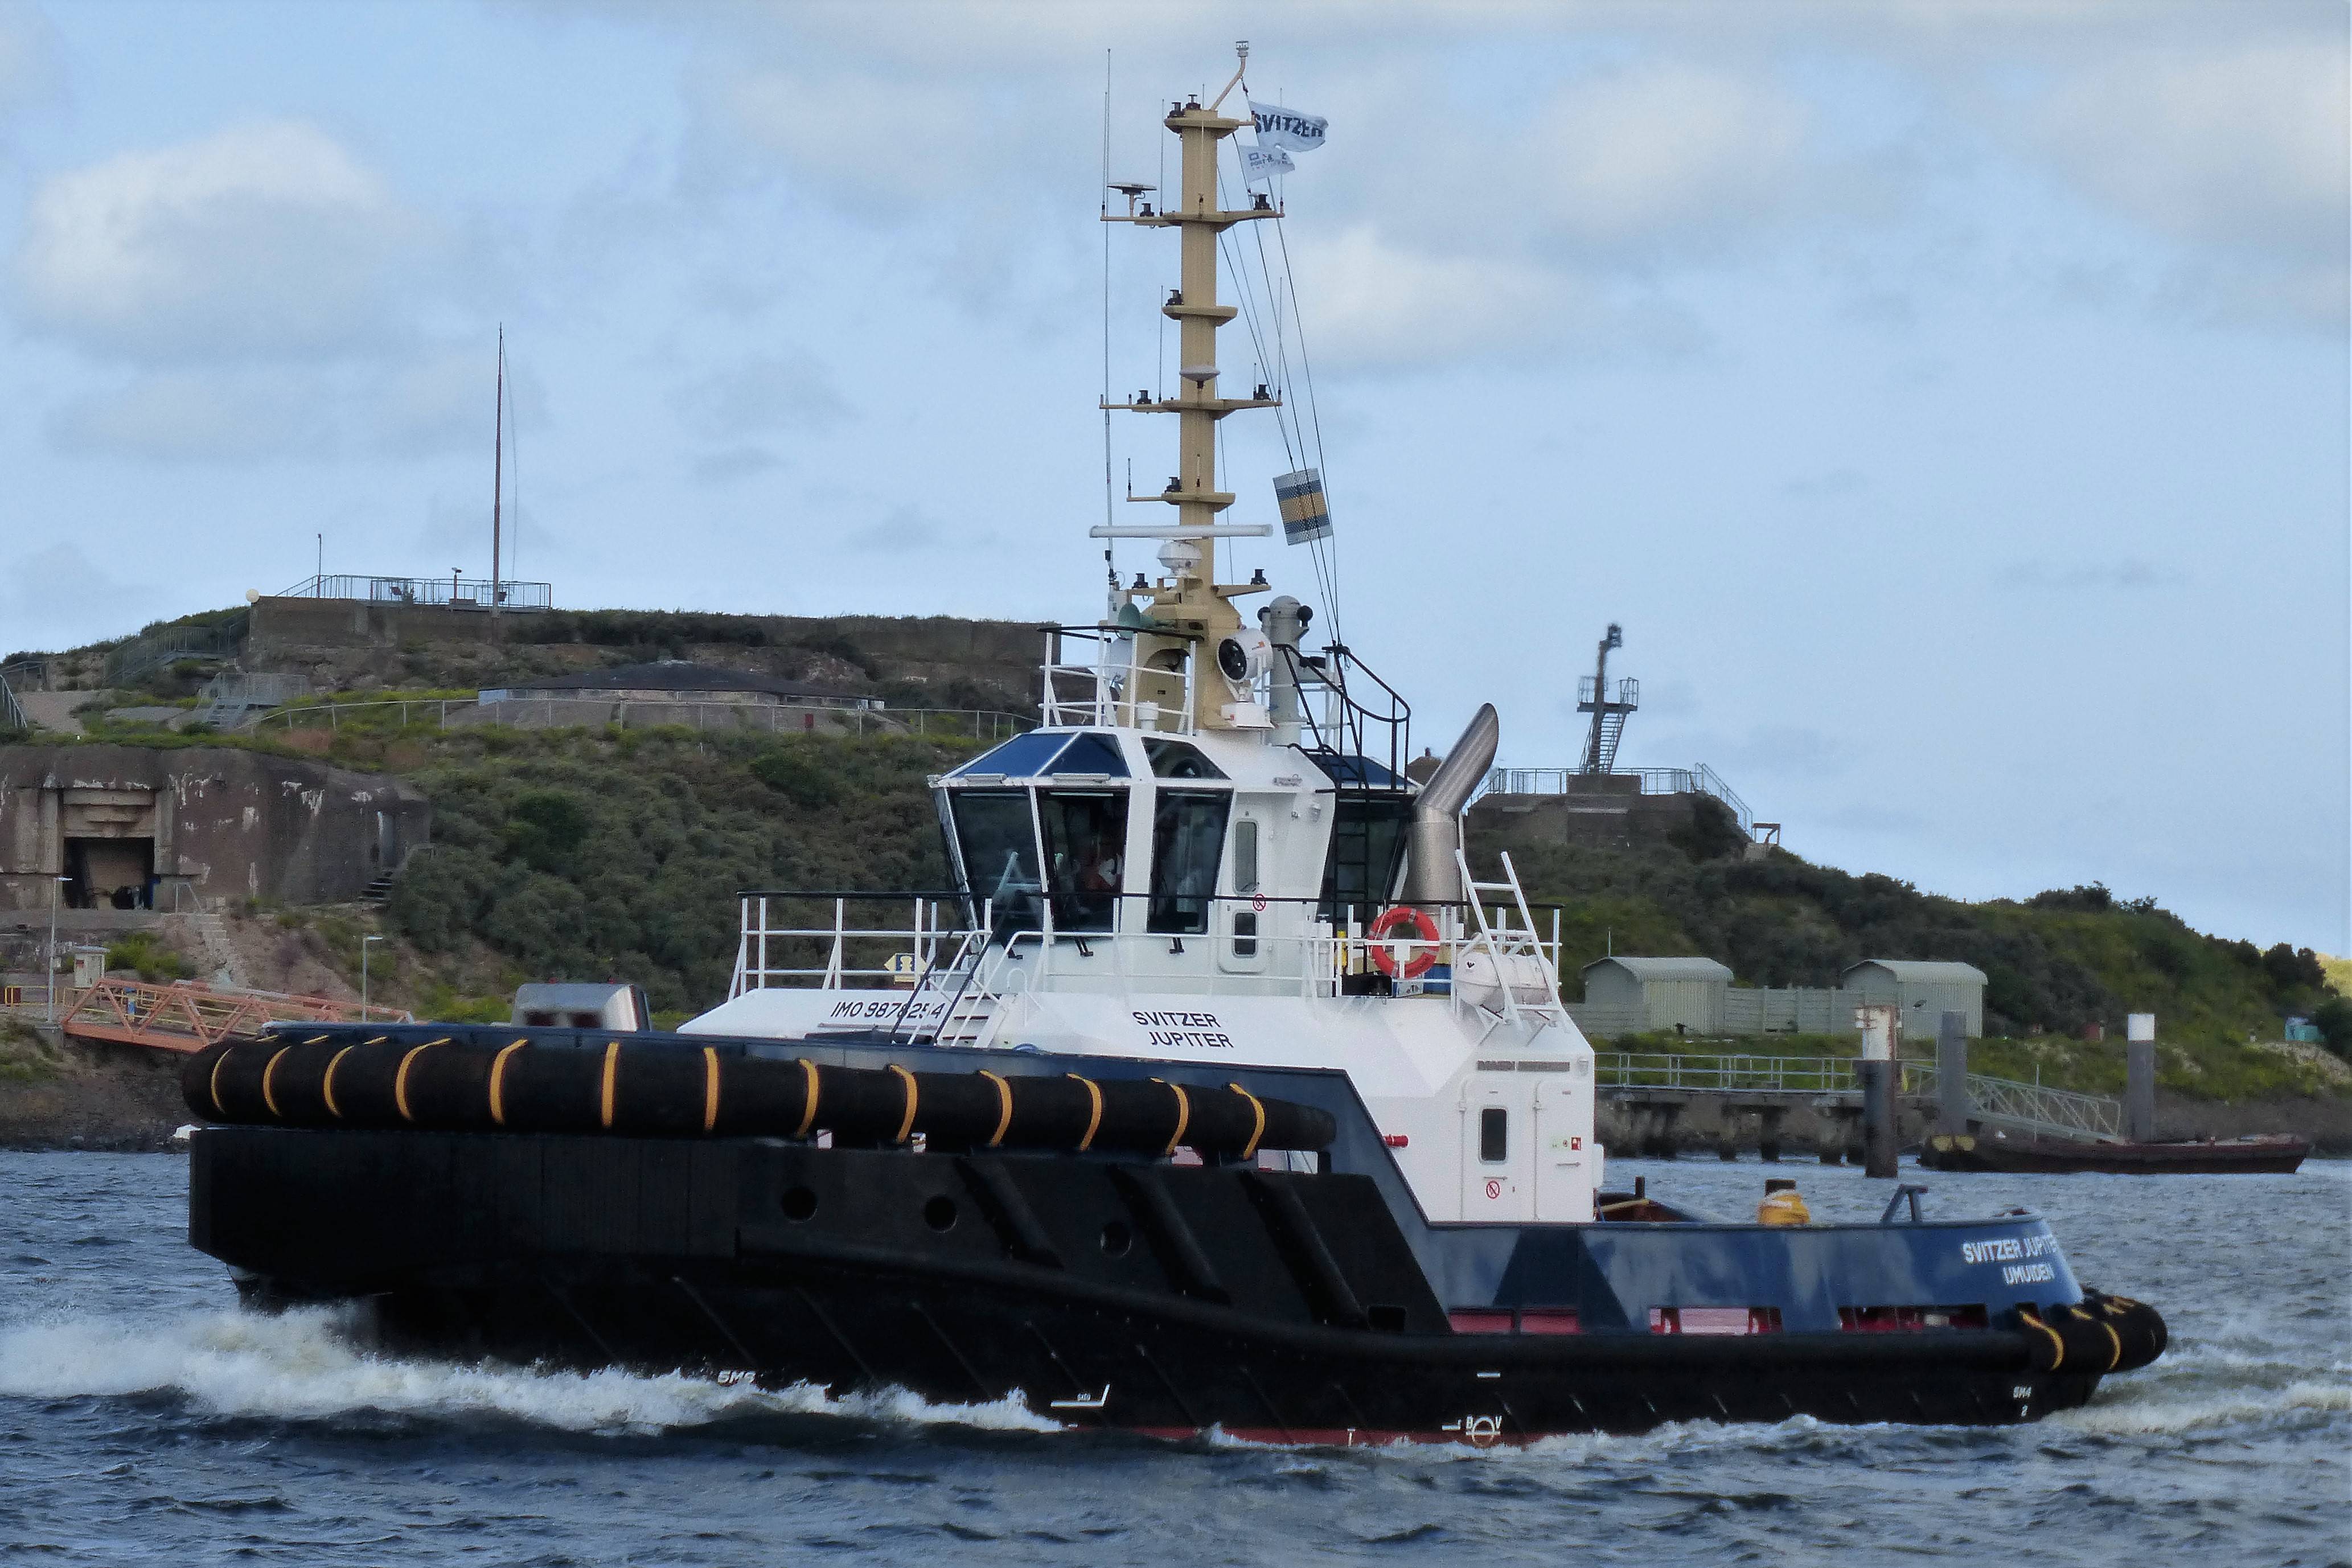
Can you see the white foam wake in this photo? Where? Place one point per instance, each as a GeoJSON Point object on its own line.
{"type": "Point", "coordinates": [297, 1366]}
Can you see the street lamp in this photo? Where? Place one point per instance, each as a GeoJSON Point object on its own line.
{"type": "Point", "coordinates": [363, 974]}
{"type": "Point", "coordinates": [52, 987]}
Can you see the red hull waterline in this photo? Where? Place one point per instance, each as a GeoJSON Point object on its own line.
{"type": "Point", "coordinates": [2270, 1155]}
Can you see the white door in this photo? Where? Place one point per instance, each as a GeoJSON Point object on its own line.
{"type": "Point", "coordinates": [1498, 1148]}
{"type": "Point", "coordinates": [1563, 1152]}
{"type": "Point", "coordinates": [1245, 916]}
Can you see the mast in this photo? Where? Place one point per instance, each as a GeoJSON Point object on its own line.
{"type": "Point", "coordinates": [1190, 599]}
{"type": "Point", "coordinates": [497, 469]}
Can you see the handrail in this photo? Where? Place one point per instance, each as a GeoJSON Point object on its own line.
{"type": "Point", "coordinates": [2006, 1102]}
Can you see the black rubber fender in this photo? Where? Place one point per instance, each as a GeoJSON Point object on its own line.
{"type": "Point", "coordinates": [2139, 1327]}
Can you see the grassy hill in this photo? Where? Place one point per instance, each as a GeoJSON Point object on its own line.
{"type": "Point", "coordinates": [594, 855]}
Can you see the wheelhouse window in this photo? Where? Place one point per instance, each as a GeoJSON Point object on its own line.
{"type": "Point", "coordinates": [1179, 760]}
{"type": "Point", "coordinates": [1188, 840]}
{"type": "Point", "coordinates": [1085, 851]}
{"type": "Point", "coordinates": [997, 839]}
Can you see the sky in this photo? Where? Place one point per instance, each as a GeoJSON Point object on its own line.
{"type": "Point", "coordinates": [1949, 398]}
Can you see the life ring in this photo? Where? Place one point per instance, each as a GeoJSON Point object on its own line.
{"type": "Point", "coordinates": [1393, 919]}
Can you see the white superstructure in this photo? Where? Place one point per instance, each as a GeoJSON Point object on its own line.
{"type": "Point", "coordinates": [1192, 858]}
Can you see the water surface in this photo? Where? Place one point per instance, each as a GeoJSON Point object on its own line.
{"type": "Point", "coordinates": [144, 1419]}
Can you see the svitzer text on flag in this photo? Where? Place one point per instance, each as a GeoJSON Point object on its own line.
{"type": "Point", "coordinates": [1280, 127]}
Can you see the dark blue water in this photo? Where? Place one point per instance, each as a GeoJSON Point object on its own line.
{"type": "Point", "coordinates": [143, 1419]}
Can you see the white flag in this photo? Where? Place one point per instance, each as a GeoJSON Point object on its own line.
{"type": "Point", "coordinates": [1261, 164]}
{"type": "Point", "coordinates": [1280, 127]}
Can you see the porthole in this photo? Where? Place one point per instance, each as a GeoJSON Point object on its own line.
{"type": "Point", "coordinates": [800, 1203]}
{"type": "Point", "coordinates": [1117, 1238]}
{"type": "Point", "coordinates": [939, 1214]}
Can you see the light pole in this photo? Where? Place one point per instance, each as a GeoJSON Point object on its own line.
{"type": "Point", "coordinates": [52, 986]}
{"type": "Point", "coordinates": [363, 974]}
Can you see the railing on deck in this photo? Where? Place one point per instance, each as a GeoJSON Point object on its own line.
{"type": "Point", "coordinates": [936, 952]}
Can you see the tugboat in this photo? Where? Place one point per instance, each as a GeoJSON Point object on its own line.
{"type": "Point", "coordinates": [1217, 1093]}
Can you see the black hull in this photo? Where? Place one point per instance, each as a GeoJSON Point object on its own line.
{"type": "Point", "coordinates": [1275, 1306]}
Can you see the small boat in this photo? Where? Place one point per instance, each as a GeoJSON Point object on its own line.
{"type": "Point", "coordinates": [1218, 1092]}
{"type": "Point", "coordinates": [2271, 1153]}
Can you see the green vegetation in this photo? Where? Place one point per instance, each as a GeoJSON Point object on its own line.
{"type": "Point", "coordinates": [24, 1056]}
{"type": "Point", "coordinates": [2053, 962]}
{"type": "Point", "coordinates": [141, 951]}
{"type": "Point", "coordinates": [590, 856]}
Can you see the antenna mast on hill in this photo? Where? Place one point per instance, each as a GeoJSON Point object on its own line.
{"type": "Point", "coordinates": [1609, 714]}
{"type": "Point", "coordinates": [497, 470]}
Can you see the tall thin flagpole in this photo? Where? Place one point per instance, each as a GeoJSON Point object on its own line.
{"type": "Point", "coordinates": [497, 470]}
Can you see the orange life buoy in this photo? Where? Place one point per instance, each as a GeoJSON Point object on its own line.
{"type": "Point", "coordinates": [1384, 956]}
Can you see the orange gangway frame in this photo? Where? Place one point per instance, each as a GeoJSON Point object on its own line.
{"type": "Point", "coordinates": [188, 1016]}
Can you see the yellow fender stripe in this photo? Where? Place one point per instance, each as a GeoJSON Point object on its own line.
{"type": "Point", "coordinates": [270, 1100]}
{"type": "Point", "coordinates": [219, 1062]}
{"type": "Point", "coordinates": [906, 1126]}
{"type": "Point", "coordinates": [327, 1084]}
{"type": "Point", "coordinates": [2033, 1319]}
{"type": "Point", "coordinates": [2115, 1339]}
{"type": "Point", "coordinates": [498, 1082]}
{"type": "Point", "coordinates": [1094, 1122]}
{"type": "Point", "coordinates": [400, 1079]}
{"type": "Point", "coordinates": [710, 1088]}
{"type": "Point", "coordinates": [1184, 1116]}
{"type": "Point", "coordinates": [611, 1080]}
{"type": "Point", "coordinates": [808, 1098]}
{"type": "Point", "coordinates": [1004, 1099]}
{"type": "Point", "coordinates": [1249, 1150]}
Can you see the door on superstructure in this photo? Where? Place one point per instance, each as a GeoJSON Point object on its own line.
{"type": "Point", "coordinates": [1498, 1148]}
{"type": "Point", "coordinates": [1562, 1136]}
{"type": "Point", "coordinates": [1246, 917]}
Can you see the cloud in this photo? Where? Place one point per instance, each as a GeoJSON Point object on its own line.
{"type": "Point", "coordinates": [1833, 485]}
{"type": "Point", "coordinates": [184, 416]}
{"type": "Point", "coordinates": [28, 64]}
{"type": "Point", "coordinates": [428, 403]}
{"type": "Point", "coordinates": [2126, 575]}
{"type": "Point", "coordinates": [1662, 147]}
{"type": "Point", "coordinates": [263, 241]}
{"type": "Point", "coordinates": [762, 396]}
{"type": "Point", "coordinates": [733, 463]}
{"type": "Point", "coordinates": [2241, 151]}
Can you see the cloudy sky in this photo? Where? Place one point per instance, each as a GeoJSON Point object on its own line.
{"type": "Point", "coordinates": [1949, 398]}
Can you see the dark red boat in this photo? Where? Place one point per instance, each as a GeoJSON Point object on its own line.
{"type": "Point", "coordinates": [2275, 1153]}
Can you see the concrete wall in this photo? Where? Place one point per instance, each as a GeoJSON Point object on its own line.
{"type": "Point", "coordinates": [222, 824]}
{"type": "Point", "coordinates": [1603, 809]}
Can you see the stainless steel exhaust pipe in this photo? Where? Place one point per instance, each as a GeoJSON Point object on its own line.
{"type": "Point", "coordinates": [1431, 876]}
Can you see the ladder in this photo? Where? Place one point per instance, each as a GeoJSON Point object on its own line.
{"type": "Point", "coordinates": [1507, 941]}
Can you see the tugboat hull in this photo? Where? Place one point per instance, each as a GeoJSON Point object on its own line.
{"type": "Point", "coordinates": [1099, 1292]}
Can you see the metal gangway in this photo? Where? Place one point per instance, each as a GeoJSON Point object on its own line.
{"type": "Point", "coordinates": [2000, 1102]}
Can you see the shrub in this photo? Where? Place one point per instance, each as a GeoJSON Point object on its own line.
{"type": "Point", "coordinates": [545, 829]}
{"type": "Point", "coordinates": [150, 958]}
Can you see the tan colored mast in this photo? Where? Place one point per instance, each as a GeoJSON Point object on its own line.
{"type": "Point", "coordinates": [1190, 599]}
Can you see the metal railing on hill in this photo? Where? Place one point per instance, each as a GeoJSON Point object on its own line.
{"type": "Point", "coordinates": [1995, 1102]}
{"type": "Point", "coordinates": [1698, 780]}
{"type": "Point", "coordinates": [144, 655]}
{"type": "Point", "coordinates": [448, 593]}
{"type": "Point", "coordinates": [970, 723]}
{"type": "Point", "coordinates": [12, 713]}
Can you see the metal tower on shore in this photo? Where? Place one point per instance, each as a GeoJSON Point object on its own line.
{"type": "Point", "coordinates": [1609, 714]}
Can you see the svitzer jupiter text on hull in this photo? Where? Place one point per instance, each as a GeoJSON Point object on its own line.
{"type": "Point", "coordinates": [1217, 1093]}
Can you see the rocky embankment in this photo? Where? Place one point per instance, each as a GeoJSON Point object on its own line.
{"type": "Point", "coordinates": [58, 1094]}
